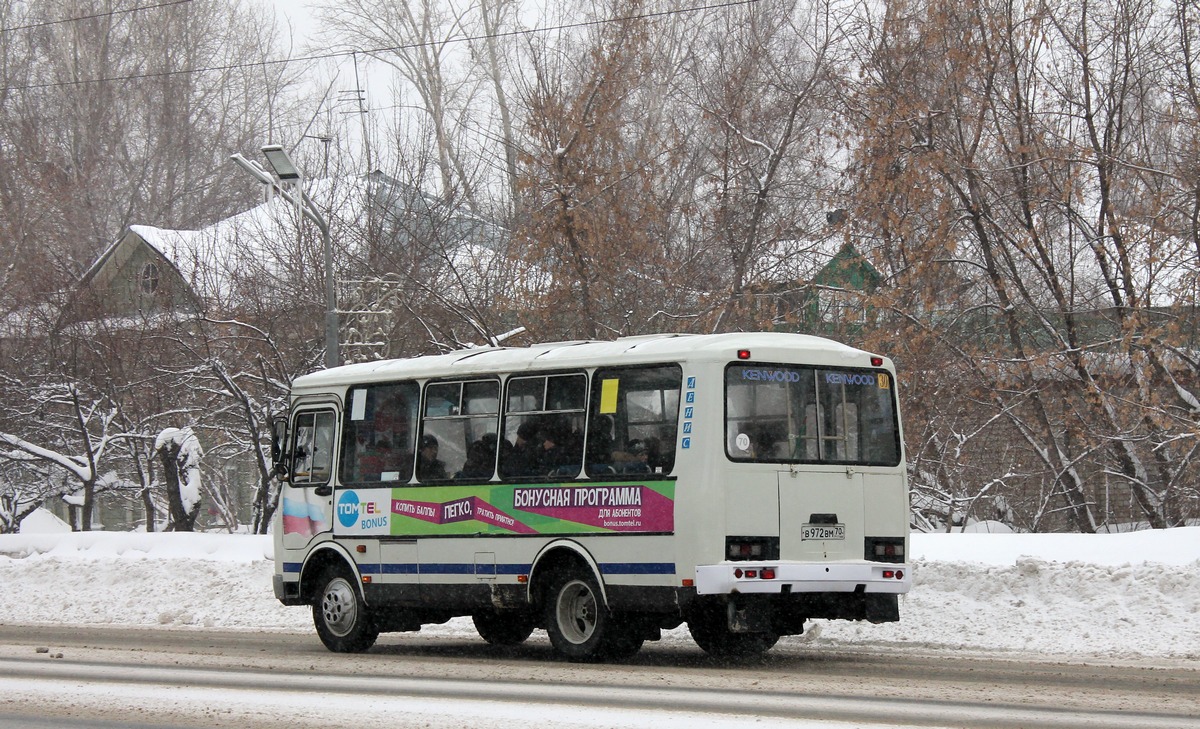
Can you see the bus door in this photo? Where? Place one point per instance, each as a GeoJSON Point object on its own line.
{"type": "Point", "coordinates": [378, 444]}
{"type": "Point", "coordinates": [821, 514]}
{"type": "Point", "coordinates": [307, 497]}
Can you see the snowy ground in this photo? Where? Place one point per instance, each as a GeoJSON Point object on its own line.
{"type": "Point", "coordinates": [1115, 596]}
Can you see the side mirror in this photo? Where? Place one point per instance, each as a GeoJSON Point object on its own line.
{"type": "Point", "coordinates": [279, 459]}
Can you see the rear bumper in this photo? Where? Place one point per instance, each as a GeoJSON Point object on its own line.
{"type": "Point", "coordinates": [793, 577]}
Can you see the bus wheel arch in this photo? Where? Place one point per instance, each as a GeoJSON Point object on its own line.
{"type": "Point", "coordinates": [556, 557]}
{"type": "Point", "coordinates": [319, 561]}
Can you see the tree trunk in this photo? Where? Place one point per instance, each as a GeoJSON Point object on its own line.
{"type": "Point", "coordinates": [181, 520]}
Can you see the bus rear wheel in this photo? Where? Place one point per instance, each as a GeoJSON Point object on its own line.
{"type": "Point", "coordinates": [716, 639]}
{"type": "Point", "coordinates": [579, 623]}
{"type": "Point", "coordinates": [503, 628]}
{"type": "Point", "coordinates": [341, 617]}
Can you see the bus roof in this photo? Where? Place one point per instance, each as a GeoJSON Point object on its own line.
{"type": "Point", "coordinates": [764, 346]}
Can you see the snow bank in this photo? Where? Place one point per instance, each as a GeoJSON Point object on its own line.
{"type": "Point", "coordinates": [1112, 595]}
{"type": "Point", "coordinates": [1178, 547]}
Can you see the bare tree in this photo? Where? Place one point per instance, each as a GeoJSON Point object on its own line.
{"type": "Point", "coordinates": [75, 433]}
{"type": "Point", "coordinates": [1032, 137]}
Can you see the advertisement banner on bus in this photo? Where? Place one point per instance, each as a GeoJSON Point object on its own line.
{"type": "Point", "coordinates": [646, 507]}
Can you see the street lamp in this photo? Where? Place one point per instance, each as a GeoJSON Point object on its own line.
{"type": "Point", "coordinates": [287, 172]}
{"type": "Point", "coordinates": [281, 163]}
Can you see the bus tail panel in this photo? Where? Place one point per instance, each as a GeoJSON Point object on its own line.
{"type": "Point", "coordinates": [790, 577]}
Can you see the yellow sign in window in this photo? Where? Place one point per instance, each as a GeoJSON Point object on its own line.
{"type": "Point", "coordinates": [608, 396]}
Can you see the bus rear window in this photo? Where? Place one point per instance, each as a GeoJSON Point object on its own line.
{"type": "Point", "coordinates": [791, 414]}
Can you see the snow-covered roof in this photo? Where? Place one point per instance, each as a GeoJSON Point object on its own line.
{"type": "Point", "coordinates": [266, 245]}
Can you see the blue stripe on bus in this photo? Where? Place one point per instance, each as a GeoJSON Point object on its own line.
{"type": "Point", "coordinates": [637, 568]}
{"type": "Point", "coordinates": [398, 569]}
{"type": "Point", "coordinates": [401, 568]}
{"type": "Point", "coordinates": [448, 569]}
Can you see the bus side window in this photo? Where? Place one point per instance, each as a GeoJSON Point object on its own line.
{"type": "Point", "coordinates": [458, 431]}
{"type": "Point", "coordinates": [633, 416]}
{"type": "Point", "coordinates": [543, 427]}
{"type": "Point", "coordinates": [312, 449]}
{"type": "Point", "coordinates": [378, 434]}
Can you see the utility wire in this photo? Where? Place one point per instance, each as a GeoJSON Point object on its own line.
{"type": "Point", "coordinates": [376, 51]}
{"type": "Point", "coordinates": [94, 16]}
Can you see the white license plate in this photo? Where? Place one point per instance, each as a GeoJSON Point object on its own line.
{"type": "Point", "coordinates": [822, 532]}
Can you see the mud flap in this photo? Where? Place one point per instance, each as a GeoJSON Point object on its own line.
{"type": "Point", "coordinates": [881, 608]}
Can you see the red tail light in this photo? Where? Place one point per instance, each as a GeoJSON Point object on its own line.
{"type": "Point", "coordinates": [767, 573]}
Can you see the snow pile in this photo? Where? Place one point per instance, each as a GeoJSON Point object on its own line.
{"type": "Point", "coordinates": [1112, 595]}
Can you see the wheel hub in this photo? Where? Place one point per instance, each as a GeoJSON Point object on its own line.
{"type": "Point", "coordinates": [338, 607]}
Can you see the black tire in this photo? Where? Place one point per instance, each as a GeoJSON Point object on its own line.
{"type": "Point", "coordinates": [579, 623]}
{"type": "Point", "coordinates": [713, 636]}
{"type": "Point", "coordinates": [342, 619]}
{"type": "Point", "coordinates": [503, 628]}
{"type": "Point", "coordinates": [623, 642]}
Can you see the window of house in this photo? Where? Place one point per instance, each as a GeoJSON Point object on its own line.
{"type": "Point", "coordinates": [837, 306]}
{"type": "Point", "coordinates": [149, 278]}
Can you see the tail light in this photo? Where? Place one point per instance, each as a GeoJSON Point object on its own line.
{"type": "Point", "coordinates": [766, 573]}
{"type": "Point", "coordinates": [745, 549]}
{"type": "Point", "coordinates": [885, 549]}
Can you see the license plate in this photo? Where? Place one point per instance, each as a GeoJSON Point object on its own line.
{"type": "Point", "coordinates": [822, 532]}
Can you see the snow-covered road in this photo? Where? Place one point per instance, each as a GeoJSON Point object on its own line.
{"type": "Point", "coordinates": [268, 681]}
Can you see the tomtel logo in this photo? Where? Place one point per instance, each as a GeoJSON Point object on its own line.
{"type": "Point", "coordinates": [347, 509]}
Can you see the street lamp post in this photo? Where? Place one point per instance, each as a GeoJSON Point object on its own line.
{"type": "Point", "coordinates": [287, 172]}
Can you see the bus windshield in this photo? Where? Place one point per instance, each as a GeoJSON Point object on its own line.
{"type": "Point", "coordinates": [791, 414]}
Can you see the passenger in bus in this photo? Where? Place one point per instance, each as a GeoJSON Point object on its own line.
{"type": "Point", "coordinates": [429, 468]}
{"type": "Point", "coordinates": [641, 455]}
{"type": "Point", "coordinates": [481, 458]}
{"type": "Point", "coordinates": [384, 455]}
{"type": "Point", "coordinates": [656, 460]}
{"type": "Point", "coordinates": [767, 439]}
{"type": "Point", "coordinates": [600, 446]}
{"type": "Point", "coordinates": [634, 459]}
{"type": "Point", "coordinates": [521, 458]}
{"type": "Point", "coordinates": [560, 451]}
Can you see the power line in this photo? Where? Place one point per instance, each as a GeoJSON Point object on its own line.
{"type": "Point", "coordinates": [94, 16]}
{"type": "Point", "coordinates": [375, 51]}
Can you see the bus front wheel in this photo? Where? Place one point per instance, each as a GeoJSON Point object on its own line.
{"type": "Point", "coordinates": [343, 622]}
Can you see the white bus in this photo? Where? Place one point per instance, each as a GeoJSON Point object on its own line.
{"type": "Point", "coordinates": [603, 491]}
